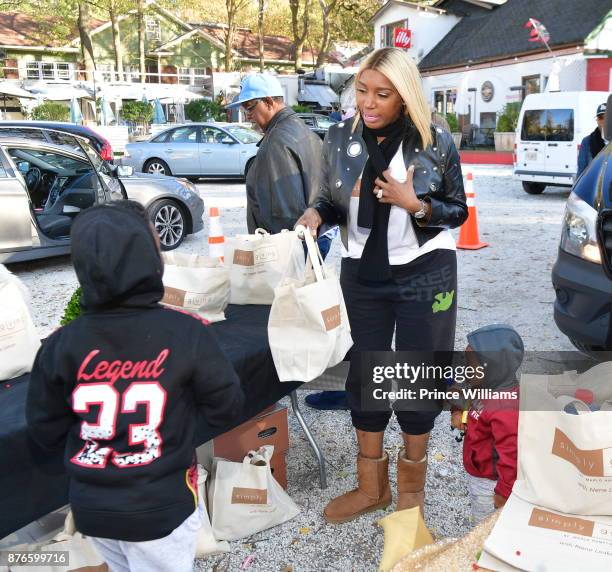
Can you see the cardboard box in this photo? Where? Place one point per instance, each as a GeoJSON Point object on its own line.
{"type": "Point", "coordinates": [270, 427]}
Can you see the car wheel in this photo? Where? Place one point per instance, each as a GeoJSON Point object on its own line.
{"type": "Point", "coordinates": [157, 167]}
{"type": "Point", "coordinates": [533, 188]}
{"type": "Point", "coordinates": [168, 218]}
{"type": "Point", "coordinates": [248, 165]}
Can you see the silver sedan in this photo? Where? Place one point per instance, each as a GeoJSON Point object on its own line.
{"type": "Point", "coordinates": [196, 150]}
{"type": "Point", "coordinates": [48, 177]}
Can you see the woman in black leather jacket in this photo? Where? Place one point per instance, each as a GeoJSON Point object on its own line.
{"type": "Point", "coordinates": [393, 183]}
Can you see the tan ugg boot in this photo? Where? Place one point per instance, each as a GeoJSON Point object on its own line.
{"type": "Point", "coordinates": [410, 482]}
{"type": "Point", "coordinates": [372, 492]}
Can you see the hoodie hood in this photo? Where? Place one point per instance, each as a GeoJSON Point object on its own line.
{"type": "Point", "coordinates": [501, 348]}
{"type": "Point", "coordinates": [116, 259]}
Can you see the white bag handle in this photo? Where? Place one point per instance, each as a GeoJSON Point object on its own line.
{"type": "Point", "coordinates": [261, 232]}
{"type": "Point", "coordinates": [313, 252]}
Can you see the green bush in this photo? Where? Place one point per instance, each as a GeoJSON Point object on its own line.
{"type": "Point", "coordinates": [298, 108]}
{"type": "Point", "coordinates": [50, 111]}
{"type": "Point", "coordinates": [73, 308]}
{"type": "Point", "coordinates": [205, 110]}
{"type": "Point", "coordinates": [508, 117]}
{"type": "Point", "coordinates": [452, 121]}
{"type": "Point", "coordinates": [137, 111]}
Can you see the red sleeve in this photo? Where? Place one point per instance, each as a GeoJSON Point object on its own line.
{"type": "Point", "coordinates": [504, 427]}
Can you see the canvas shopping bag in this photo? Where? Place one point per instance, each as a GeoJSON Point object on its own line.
{"type": "Point", "coordinates": [197, 284]}
{"type": "Point", "coordinates": [81, 553]}
{"type": "Point", "coordinates": [308, 327]}
{"type": "Point", "coordinates": [206, 542]}
{"type": "Point", "coordinates": [19, 341]}
{"type": "Point", "coordinates": [257, 262]}
{"type": "Point", "coordinates": [245, 498]}
{"type": "Point", "coordinates": [565, 459]}
{"type": "Point", "coordinates": [531, 537]}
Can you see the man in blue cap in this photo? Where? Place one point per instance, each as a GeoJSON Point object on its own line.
{"type": "Point", "coordinates": [594, 142]}
{"type": "Point", "coordinates": [288, 167]}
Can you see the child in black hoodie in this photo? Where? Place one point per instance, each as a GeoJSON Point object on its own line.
{"type": "Point", "coordinates": [123, 384]}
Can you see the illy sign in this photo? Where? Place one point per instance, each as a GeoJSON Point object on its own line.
{"type": "Point", "coordinates": [402, 37]}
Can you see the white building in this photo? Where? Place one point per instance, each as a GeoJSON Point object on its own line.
{"type": "Point", "coordinates": [476, 55]}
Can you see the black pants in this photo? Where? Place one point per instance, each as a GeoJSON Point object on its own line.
{"type": "Point", "coordinates": [406, 304]}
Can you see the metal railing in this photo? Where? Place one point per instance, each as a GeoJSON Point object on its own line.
{"type": "Point", "coordinates": [73, 74]}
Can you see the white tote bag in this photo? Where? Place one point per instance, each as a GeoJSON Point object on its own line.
{"type": "Point", "coordinates": [534, 538]}
{"type": "Point", "coordinates": [19, 341]}
{"type": "Point", "coordinates": [257, 263]}
{"type": "Point", "coordinates": [206, 543]}
{"type": "Point", "coordinates": [565, 459]}
{"type": "Point", "coordinates": [197, 284]}
{"type": "Point", "coordinates": [308, 328]}
{"type": "Point", "coordinates": [245, 498]}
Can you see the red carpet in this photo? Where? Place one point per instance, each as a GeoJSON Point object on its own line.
{"type": "Point", "coordinates": [486, 157]}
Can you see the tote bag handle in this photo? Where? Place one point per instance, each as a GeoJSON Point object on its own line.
{"type": "Point", "coordinates": [314, 255]}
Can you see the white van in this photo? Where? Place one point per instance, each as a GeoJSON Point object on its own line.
{"type": "Point", "coordinates": [549, 131]}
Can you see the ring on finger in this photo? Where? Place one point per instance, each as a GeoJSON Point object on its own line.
{"type": "Point", "coordinates": [379, 194]}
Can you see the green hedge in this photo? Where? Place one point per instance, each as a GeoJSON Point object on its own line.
{"type": "Point", "coordinates": [205, 110]}
{"type": "Point", "coordinates": [508, 117]}
{"type": "Point", "coordinates": [137, 111]}
{"type": "Point", "coordinates": [50, 111]}
{"type": "Point", "coordinates": [73, 308]}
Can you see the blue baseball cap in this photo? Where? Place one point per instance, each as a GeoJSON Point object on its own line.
{"type": "Point", "coordinates": [256, 86]}
{"type": "Point", "coordinates": [601, 109]}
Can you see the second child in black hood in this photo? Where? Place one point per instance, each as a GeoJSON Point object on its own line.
{"type": "Point", "coordinates": [124, 383]}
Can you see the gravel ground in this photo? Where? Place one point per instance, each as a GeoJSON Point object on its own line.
{"type": "Point", "coordinates": [509, 282]}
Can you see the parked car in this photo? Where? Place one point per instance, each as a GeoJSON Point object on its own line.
{"type": "Point", "coordinates": [317, 123]}
{"type": "Point", "coordinates": [196, 150]}
{"type": "Point", "coordinates": [47, 177]}
{"type": "Point", "coordinates": [549, 132]}
{"type": "Point", "coordinates": [582, 274]}
{"type": "Point", "coordinates": [97, 141]}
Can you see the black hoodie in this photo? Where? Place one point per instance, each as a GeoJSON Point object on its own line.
{"type": "Point", "coordinates": [124, 383]}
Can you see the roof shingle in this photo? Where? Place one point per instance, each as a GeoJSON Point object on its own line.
{"type": "Point", "coordinates": [492, 34]}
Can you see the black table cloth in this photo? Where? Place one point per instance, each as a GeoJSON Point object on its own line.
{"type": "Point", "coordinates": [34, 483]}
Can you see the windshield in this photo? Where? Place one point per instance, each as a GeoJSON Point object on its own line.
{"type": "Point", "coordinates": [244, 135]}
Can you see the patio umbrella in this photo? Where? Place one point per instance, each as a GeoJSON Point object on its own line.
{"type": "Point", "coordinates": [158, 116]}
{"type": "Point", "coordinates": [75, 111]}
{"type": "Point", "coordinates": [106, 112]}
{"type": "Point", "coordinates": [144, 98]}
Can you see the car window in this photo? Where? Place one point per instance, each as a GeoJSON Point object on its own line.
{"type": "Point", "coordinates": [325, 122]}
{"type": "Point", "coordinates": [309, 121]}
{"type": "Point", "coordinates": [161, 137]}
{"type": "Point", "coordinates": [183, 135]}
{"type": "Point", "coordinates": [548, 125]}
{"type": "Point", "coordinates": [44, 159]}
{"type": "Point", "coordinates": [244, 135]}
{"type": "Point", "coordinates": [21, 133]}
{"type": "Point", "coordinates": [213, 135]}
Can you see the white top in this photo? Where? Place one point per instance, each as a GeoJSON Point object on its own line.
{"type": "Point", "coordinates": [402, 243]}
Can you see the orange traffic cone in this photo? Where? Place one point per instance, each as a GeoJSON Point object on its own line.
{"type": "Point", "coordinates": [216, 240]}
{"type": "Point", "coordinates": [468, 236]}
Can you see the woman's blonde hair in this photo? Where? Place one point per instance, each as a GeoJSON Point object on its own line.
{"type": "Point", "coordinates": [399, 68]}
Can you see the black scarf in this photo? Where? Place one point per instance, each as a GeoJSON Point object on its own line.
{"type": "Point", "coordinates": [596, 142]}
{"type": "Point", "coordinates": [374, 265]}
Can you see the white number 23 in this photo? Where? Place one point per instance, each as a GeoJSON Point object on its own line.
{"type": "Point", "coordinates": [95, 455]}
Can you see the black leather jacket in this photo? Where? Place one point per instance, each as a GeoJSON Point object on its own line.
{"type": "Point", "coordinates": [437, 178]}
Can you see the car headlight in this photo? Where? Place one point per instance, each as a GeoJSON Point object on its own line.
{"type": "Point", "coordinates": [187, 186]}
{"type": "Point", "coordinates": [578, 233]}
